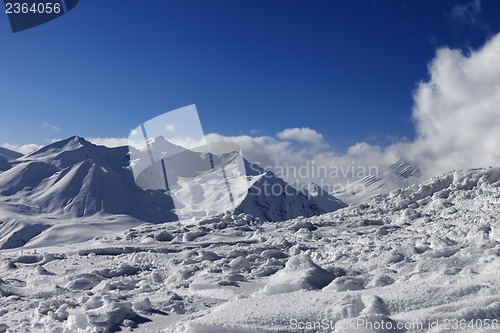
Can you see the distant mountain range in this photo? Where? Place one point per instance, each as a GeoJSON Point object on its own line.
{"type": "Point", "coordinates": [75, 179]}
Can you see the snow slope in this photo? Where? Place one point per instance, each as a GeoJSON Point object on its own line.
{"type": "Point", "coordinates": [399, 174]}
{"type": "Point", "coordinates": [421, 259]}
{"type": "Point", "coordinates": [323, 199]}
{"type": "Point", "coordinates": [75, 178]}
{"type": "Point", "coordinates": [10, 153]}
{"type": "Point", "coordinates": [5, 163]}
{"type": "Point", "coordinates": [6, 158]}
{"type": "Point", "coordinates": [272, 199]}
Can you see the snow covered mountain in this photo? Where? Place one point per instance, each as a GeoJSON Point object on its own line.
{"type": "Point", "coordinates": [323, 199]}
{"type": "Point", "coordinates": [5, 163]}
{"type": "Point", "coordinates": [73, 190]}
{"type": "Point", "coordinates": [9, 153]}
{"type": "Point", "coordinates": [74, 178]}
{"type": "Point", "coordinates": [272, 199]}
{"type": "Point", "coordinates": [261, 194]}
{"type": "Point", "coordinates": [6, 157]}
{"type": "Point", "coordinates": [416, 260]}
{"type": "Point", "coordinates": [400, 174]}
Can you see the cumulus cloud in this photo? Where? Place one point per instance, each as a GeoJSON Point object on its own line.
{"type": "Point", "coordinates": [457, 113]}
{"type": "Point", "coordinates": [265, 150]}
{"type": "Point", "coordinates": [23, 149]}
{"type": "Point", "coordinates": [109, 142]}
{"type": "Point", "coordinates": [302, 135]}
{"type": "Point", "coordinates": [457, 122]}
{"type": "Point", "coordinates": [298, 164]}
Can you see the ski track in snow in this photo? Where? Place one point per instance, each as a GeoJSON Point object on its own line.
{"type": "Point", "coordinates": [423, 254]}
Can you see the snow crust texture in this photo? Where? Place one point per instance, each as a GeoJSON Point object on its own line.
{"type": "Point", "coordinates": [417, 260]}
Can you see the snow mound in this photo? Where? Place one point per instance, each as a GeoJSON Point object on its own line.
{"type": "Point", "coordinates": [300, 273]}
{"type": "Point", "coordinates": [108, 318]}
{"type": "Point", "coordinates": [442, 190]}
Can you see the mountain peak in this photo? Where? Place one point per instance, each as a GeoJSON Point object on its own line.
{"type": "Point", "coordinates": [71, 143]}
{"type": "Point", "coordinates": [79, 139]}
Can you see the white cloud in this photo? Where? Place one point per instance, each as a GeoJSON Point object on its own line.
{"type": "Point", "coordinates": [23, 149]}
{"type": "Point", "coordinates": [301, 164]}
{"type": "Point", "coordinates": [52, 128]}
{"type": "Point", "coordinates": [109, 142]}
{"type": "Point", "coordinates": [456, 114]}
{"type": "Point", "coordinates": [457, 111]}
{"type": "Point", "coordinates": [169, 127]}
{"type": "Point", "coordinates": [263, 149]}
{"type": "Point", "coordinates": [303, 135]}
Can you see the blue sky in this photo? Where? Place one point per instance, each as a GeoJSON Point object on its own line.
{"type": "Point", "coordinates": [346, 69]}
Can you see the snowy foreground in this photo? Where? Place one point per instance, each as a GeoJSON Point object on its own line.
{"type": "Point", "coordinates": [426, 258]}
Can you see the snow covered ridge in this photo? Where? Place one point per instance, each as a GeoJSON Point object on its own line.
{"type": "Point", "coordinates": [6, 157]}
{"type": "Point", "coordinates": [203, 184]}
{"type": "Point", "coordinates": [75, 178]}
{"type": "Point", "coordinates": [47, 193]}
{"type": "Point", "coordinates": [397, 175]}
{"type": "Point", "coordinates": [9, 153]}
{"type": "Point", "coordinates": [421, 259]}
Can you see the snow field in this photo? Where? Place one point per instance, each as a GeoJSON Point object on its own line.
{"type": "Point", "coordinates": [421, 255]}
